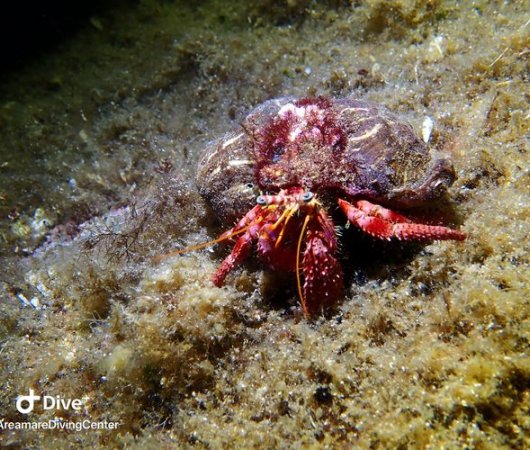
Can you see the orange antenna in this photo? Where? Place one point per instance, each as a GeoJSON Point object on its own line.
{"type": "Point", "coordinates": [298, 251]}
{"type": "Point", "coordinates": [192, 248]}
{"type": "Point", "coordinates": [285, 217]}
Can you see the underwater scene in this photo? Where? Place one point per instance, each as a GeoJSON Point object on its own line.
{"type": "Point", "coordinates": [267, 224]}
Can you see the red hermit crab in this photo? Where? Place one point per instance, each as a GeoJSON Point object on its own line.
{"type": "Point", "coordinates": [294, 162]}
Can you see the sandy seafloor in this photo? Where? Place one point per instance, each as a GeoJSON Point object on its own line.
{"type": "Point", "coordinates": [100, 139]}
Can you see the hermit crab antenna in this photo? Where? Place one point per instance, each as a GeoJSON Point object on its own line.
{"type": "Point", "coordinates": [298, 251]}
{"type": "Point", "coordinates": [192, 248]}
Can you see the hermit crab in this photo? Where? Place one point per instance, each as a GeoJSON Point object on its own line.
{"type": "Point", "coordinates": [293, 164]}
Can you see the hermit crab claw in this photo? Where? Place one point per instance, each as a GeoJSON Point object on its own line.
{"type": "Point", "coordinates": [323, 281]}
{"type": "Point", "coordinates": [384, 223]}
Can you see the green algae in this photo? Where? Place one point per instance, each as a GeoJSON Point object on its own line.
{"type": "Point", "coordinates": [428, 349]}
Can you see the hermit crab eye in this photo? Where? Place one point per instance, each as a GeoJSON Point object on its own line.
{"type": "Point", "coordinates": [261, 200]}
{"type": "Point", "coordinates": [307, 196]}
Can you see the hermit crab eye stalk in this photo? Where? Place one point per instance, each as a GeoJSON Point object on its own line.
{"type": "Point", "coordinates": [308, 196]}
{"type": "Point", "coordinates": [260, 200]}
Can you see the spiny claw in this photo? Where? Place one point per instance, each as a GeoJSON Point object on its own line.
{"type": "Point", "coordinates": [323, 281]}
{"type": "Point", "coordinates": [386, 224]}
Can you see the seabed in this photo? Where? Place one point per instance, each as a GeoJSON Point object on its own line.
{"type": "Point", "coordinates": [100, 138]}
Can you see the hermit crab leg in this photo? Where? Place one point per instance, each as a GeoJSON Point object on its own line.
{"type": "Point", "coordinates": [386, 224]}
{"type": "Point", "coordinates": [243, 245]}
{"type": "Point", "coordinates": [239, 252]}
{"type": "Point", "coordinates": [244, 222]}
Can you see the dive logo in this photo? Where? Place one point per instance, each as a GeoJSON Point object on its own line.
{"type": "Point", "coordinates": [26, 403]}
{"type": "Point", "coordinates": [28, 400]}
